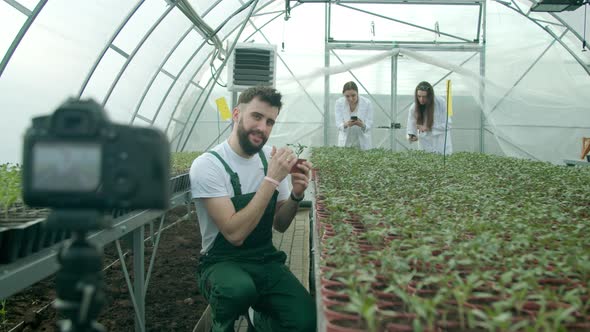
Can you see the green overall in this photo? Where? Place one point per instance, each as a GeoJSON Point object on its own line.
{"type": "Point", "coordinates": [232, 279]}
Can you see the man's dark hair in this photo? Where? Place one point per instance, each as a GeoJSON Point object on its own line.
{"type": "Point", "coordinates": [264, 93]}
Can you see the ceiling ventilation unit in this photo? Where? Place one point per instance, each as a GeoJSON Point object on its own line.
{"type": "Point", "coordinates": [251, 65]}
{"type": "Point", "coordinates": [556, 5]}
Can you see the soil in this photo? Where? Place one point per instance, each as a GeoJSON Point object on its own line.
{"type": "Point", "coordinates": [173, 301]}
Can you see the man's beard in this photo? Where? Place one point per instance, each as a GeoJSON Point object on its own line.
{"type": "Point", "coordinates": [249, 148]}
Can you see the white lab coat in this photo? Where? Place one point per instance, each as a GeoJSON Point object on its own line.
{"type": "Point", "coordinates": [349, 136]}
{"type": "Point", "coordinates": [434, 140]}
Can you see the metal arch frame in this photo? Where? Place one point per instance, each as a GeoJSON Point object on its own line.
{"type": "Point", "coordinates": [334, 45]}
{"type": "Point", "coordinates": [538, 22]}
{"type": "Point", "coordinates": [392, 100]}
{"type": "Point", "coordinates": [31, 16]}
{"type": "Point", "coordinates": [527, 70]}
{"type": "Point", "coordinates": [18, 6]}
{"type": "Point", "coordinates": [285, 63]}
{"type": "Point", "coordinates": [461, 39]}
{"type": "Point", "coordinates": [362, 86]}
{"type": "Point", "coordinates": [167, 93]}
{"type": "Point", "coordinates": [463, 45]}
{"type": "Point", "coordinates": [44, 264]}
{"type": "Point", "coordinates": [347, 46]}
{"type": "Point", "coordinates": [134, 52]}
{"type": "Point", "coordinates": [256, 29]}
{"type": "Point", "coordinates": [212, 79]}
{"type": "Point", "coordinates": [160, 69]}
{"type": "Point", "coordinates": [216, 75]}
{"type": "Point", "coordinates": [202, 27]}
{"type": "Point", "coordinates": [184, 123]}
{"type": "Point", "coordinates": [280, 13]}
{"type": "Point", "coordinates": [556, 38]}
{"type": "Point", "coordinates": [415, 2]}
{"type": "Point", "coordinates": [172, 119]}
{"type": "Point", "coordinates": [153, 79]}
{"type": "Point", "coordinates": [435, 84]}
{"type": "Point", "coordinates": [40, 5]}
{"type": "Point", "coordinates": [35, 12]}
{"type": "Point", "coordinates": [562, 22]}
{"type": "Point", "coordinates": [108, 45]}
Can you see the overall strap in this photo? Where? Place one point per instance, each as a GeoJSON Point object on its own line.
{"type": "Point", "coordinates": [233, 176]}
{"type": "Point", "coordinates": [264, 162]}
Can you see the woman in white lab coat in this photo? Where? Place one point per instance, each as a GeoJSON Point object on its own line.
{"type": "Point", "coordinates": [354, 118]}
{"type": "Point", "coordinates": [427, 121]}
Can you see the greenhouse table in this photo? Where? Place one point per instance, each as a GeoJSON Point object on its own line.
{"type": "Point", "coordinates": [576, 162]}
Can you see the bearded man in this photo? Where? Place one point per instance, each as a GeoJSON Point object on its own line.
{"type": "Point", "coordinates": [241, 192]}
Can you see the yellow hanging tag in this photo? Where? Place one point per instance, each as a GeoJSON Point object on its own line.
{"type": "Point", "coordinates": [223, 108]}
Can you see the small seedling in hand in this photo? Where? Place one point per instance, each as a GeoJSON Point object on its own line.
{"type": "Point", "coordinates": [298, 149]}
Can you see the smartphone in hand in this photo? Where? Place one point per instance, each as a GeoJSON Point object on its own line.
{"type": "Point", "coordinates": [354, 118]}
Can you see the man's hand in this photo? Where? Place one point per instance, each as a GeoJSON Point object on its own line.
{"type": "Point", "coordinates": [300, 181]}
{"type": "Point", "coordinates": [280, 164]}
{"type": "Point", "coordinates": [287, 209]}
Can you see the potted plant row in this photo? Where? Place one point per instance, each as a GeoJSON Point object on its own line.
{"type": "Point", "coordinates": [477, 242]}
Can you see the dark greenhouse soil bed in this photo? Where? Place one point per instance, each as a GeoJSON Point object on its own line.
{"type": "Point", "coordinates": [173, 301]}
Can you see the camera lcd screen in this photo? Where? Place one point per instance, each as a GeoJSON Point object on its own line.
{"type": "Point", "coordinates": [66, 167]}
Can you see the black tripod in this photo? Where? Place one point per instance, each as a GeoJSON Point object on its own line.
{"type": "Point", "coordinates": [79, 281]}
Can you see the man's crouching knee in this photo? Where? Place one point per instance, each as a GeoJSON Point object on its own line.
{"type": "Point", "coordinates": [306, 321]}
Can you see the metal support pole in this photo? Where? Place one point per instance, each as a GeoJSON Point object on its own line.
{"type": "Point", "coordinates": [156, 244]}
{"type": "Point", "coordinates": [234, 99]}
{"type": "Point", "coordinates": [373, 99]}
{"type": "Point", "coordinates": [189, 210]}
{"type": "Point", "coordinates": [482, 86]}
{"type": "Point", "coordinates": [138, 277]}
{"type": "Point", "coordinates": [393, 101]}
{"type": "Point", "coordinates": [327, 112]}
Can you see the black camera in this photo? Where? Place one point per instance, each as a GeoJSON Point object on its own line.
{"type": "Point", "coordinates": [77, 159]}
{"type": "Point", "coordinates": [354, 118]}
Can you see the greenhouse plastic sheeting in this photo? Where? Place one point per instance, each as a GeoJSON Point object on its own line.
{"type": "Point", "coordinates": [521, 93]}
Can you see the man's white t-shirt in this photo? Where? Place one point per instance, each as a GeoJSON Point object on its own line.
{"type": "Point", "coordinates": [210, 179]}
